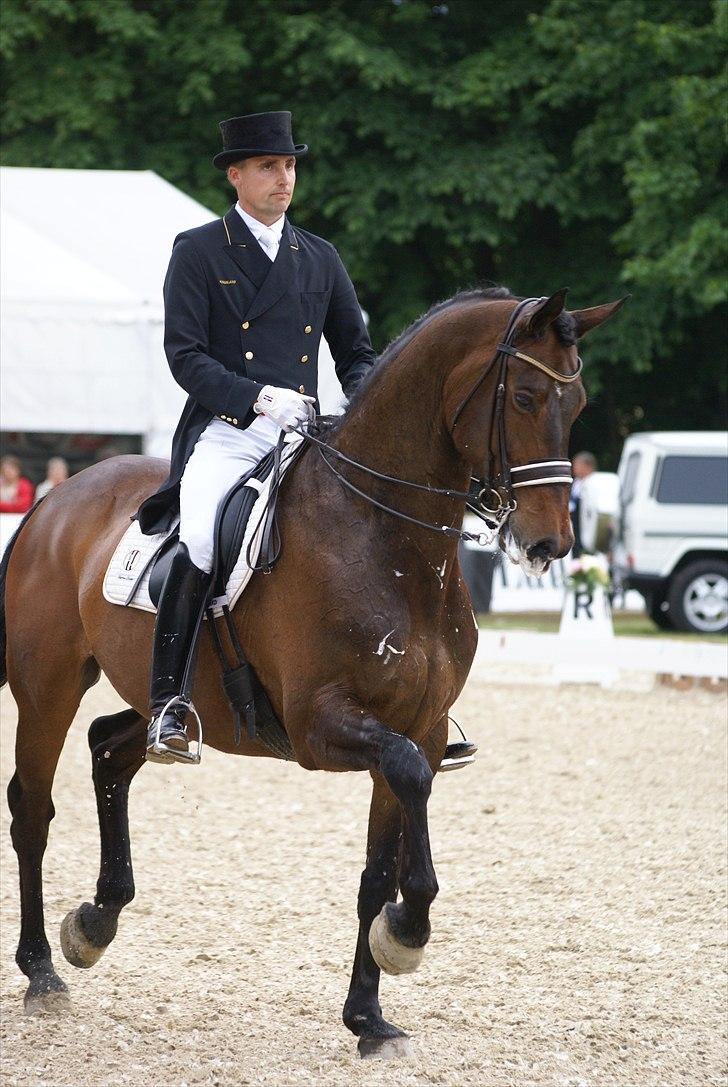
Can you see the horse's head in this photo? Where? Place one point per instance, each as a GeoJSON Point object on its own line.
{"type": "Point", "coordinates": [527, 424]}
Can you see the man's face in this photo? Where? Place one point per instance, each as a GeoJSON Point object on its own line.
{"type": "Point", "coordinates": [264, 185]}
{"type": "Point", "coordinates": [581, 468]}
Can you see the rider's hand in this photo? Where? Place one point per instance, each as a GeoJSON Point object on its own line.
{"type": "Point", "coordinates": [285, 407]}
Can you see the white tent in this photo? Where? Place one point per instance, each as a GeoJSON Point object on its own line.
{"type": "Point", "coordinates": [83, 255]}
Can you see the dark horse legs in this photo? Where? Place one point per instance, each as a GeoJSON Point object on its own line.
{"type": "Point", "coordinates": [44, 717]}
{"type": "Point", "coordinates": [379, 881]}
{"type": "Point", "coordinates": [32, 810]}
{"type": "Point", "coordinates": [117, 745]}
{"type": "Point", "coordinates": [398, 852]}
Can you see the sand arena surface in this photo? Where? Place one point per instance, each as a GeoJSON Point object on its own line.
{"type": "Point", "coordinates": [578, 938]}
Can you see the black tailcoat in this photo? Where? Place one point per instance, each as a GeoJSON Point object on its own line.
{"type": "Point", "coordinates": [235, 322]}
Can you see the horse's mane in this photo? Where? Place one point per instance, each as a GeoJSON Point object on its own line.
{"type": "Point", "coordinates": [564, 326]}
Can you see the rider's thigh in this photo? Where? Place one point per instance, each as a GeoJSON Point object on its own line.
{"type": "Point", "coordinates": [219, 458]}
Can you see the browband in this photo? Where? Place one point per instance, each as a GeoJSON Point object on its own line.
{"type": "Point", "coordinates": [564, 378]}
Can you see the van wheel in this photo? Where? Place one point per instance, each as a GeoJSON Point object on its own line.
{"type": "Point", "coordinates": [658, 610]}
{"type": "Point", "coordinates": [698, 597]}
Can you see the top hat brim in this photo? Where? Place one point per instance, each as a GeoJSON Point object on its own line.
{"type": "Point", "coordinates": [227, 158]}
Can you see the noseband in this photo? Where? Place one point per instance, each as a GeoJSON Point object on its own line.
{"type": "Point", "coordinates": [496, 489]}
{"type": "Point", "coordinates": [496, 495]}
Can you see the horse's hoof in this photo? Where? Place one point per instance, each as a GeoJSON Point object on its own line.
{"type": "Point", "coordinates": [389, 954]}
{"type": "Point", "coordinates": [386, 1049]}
{"type": "Point", "coordinates": [51, 1002]}
{"type": "Point", "coordinates": [75, 945]}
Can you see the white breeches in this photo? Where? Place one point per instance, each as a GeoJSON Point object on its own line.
{"type": "Point", "coordinates": [221, 455]}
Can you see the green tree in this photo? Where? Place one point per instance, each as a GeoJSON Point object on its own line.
{"type": "Point", "coordinates": [537, 143]}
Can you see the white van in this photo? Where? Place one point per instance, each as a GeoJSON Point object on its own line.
{"type": "Point", "coordinates": [672, 529]}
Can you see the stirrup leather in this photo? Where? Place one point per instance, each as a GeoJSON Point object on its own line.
{"type": "Point", "coordinates": [158, 751]}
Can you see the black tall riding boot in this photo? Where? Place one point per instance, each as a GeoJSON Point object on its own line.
{"type": "Point", "coordinates": [181, 604]}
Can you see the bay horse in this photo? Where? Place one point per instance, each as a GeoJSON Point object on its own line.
{"type": "Point", "coordinates": [362, 635]}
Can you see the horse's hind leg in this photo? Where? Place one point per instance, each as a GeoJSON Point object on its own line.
{"type": "Point", "coordinates": [362, 1011]}
{"type": "Point", "coordinates": [117, 745]}
{"type": "Point", "coordinates": [44, 718]}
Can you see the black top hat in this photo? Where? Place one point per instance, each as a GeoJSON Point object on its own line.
{"type": "Point", "coordinates": [256, 134]}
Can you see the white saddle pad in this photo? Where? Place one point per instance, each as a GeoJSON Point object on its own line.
{"type": "Point", "coordinates": [135, 551]}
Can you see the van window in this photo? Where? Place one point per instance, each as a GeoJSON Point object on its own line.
{"type": "Point", "coordinates": [694, 481]}
{"type": "Point", "coordinates": [630, 478]}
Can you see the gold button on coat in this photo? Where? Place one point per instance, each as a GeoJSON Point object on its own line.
{"type": "Point", "coordinates": [307, 329]}
{"type": "Point", "coordinates": [248, 354]}
{"type": "Point", "coordinates": [302, 388]}
{"type": "Point", "coordinates": [304, 358]}
{"type": "Point", "coordinates": [245, 324]}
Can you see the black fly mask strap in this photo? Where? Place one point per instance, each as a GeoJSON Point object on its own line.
{"type": "Point", "coordinates": [497, 490]}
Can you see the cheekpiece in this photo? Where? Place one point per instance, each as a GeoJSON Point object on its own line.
{"type": "Point", "coordinates": [256, 134]}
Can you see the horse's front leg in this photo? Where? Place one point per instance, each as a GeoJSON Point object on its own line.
{"type": "Point", "coordinates": [392, 935]}
{"type": "Point", "coordinates": [117, 745]}
{"type": "Point", "coordinates": [379, 880]}
{"type": "Point", "coordinates": [400, 931]}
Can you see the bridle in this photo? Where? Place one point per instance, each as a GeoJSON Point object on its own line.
{"type": "Point", "coordinates": [501, 487]}
{"type": "Point", "coordinates": [491, 488]}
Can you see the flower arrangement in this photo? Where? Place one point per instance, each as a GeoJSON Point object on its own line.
{"type": "Point", "coordinates": [587, 573]}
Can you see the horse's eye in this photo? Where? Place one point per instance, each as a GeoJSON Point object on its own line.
{"type": "Point", "coordinates": [524, 400]}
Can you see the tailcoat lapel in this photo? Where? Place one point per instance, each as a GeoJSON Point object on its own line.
{"type": "Point", "coordinates": [273, 279]}
{"type": "Point", "coordinates": [282, 276]}
{"type": "Point", "coordinates": [244, 249]}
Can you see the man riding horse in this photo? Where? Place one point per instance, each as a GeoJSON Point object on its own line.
{"type": "Point", "coordinates": [247, 298]}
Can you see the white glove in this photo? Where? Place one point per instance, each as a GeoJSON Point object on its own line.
{"type": "Point", "coordinates": [286, 408]}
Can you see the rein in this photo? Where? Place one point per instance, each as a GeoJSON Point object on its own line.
{"type": "Point", "coordinates": [501, 486]}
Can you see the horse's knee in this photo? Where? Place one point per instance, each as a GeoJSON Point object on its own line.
{"type": "Point", "coordinates": [107, 736]}
{"type": "Point", "coordinates": [101, 730]}
{"type": "Point", "coordinates": [405, 768]}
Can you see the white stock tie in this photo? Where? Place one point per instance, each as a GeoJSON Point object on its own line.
{"type": "Point", "coordinates": [268, 241]}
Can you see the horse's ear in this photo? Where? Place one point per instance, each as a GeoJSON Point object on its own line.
{"type": "Point", "coordinates": [587, 319]}
{"type": "Point", "coordinates": [546, 312]}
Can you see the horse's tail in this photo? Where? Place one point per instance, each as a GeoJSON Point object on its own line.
{"type": "Point", "coordinates": [3, 574]}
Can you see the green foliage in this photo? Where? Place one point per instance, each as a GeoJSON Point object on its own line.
{"type": "Point", "coordinates": [537, 143]}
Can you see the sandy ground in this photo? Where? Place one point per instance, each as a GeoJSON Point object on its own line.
{"type": "Point", "coordinates": [578, 938]}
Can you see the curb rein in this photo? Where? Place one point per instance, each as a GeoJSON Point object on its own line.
{"type": "Point", "coordinates": [500, 487]}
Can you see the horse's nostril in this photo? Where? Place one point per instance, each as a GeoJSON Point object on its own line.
{"type": "Point", "coordinates": [545, 549]}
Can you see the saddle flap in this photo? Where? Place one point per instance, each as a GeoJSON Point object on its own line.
{"type": "Point", "coordinates": [160, 565]}
{"type": "Point", "coordinates": [232, 519]}
{"type": "Point", "coordinates": [230, 524]}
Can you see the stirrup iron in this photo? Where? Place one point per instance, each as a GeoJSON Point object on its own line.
{"type": "Point", "coordinates": [459, 754]}
{"type": "Point", "coordinates": [158, 751]}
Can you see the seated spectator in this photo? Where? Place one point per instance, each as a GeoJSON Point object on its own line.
{"type": "Point", "coordinates": [16, 492]}
{"type": "Point", "coordinates": [56, 472]}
